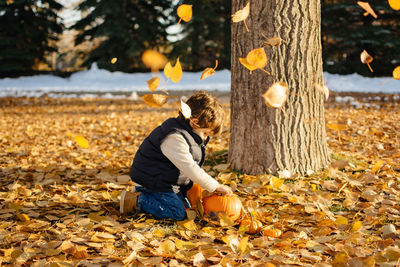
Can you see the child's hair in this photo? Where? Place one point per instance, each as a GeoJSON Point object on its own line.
{"type": "Point", "coordinates": [207, 110]}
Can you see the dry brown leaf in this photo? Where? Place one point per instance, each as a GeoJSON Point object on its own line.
{"type": "Point", "coordinates": [366, 59]}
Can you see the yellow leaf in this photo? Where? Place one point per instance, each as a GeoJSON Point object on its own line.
{"type": "Point", "coordinates": [243, 244]}
{"type": "Point", "coordinates": [356, 226]}
{"type": "Point", "coordinates": [366, 59]}
{"type": "Point", "coordinates": [395, 4]}
{"type": "Point", "coordinates": [107, 153]}
{"type": "Point", "coordinates": [158, 233]}
{"type": "Point", "coordinates": [247, 65]}
{"type": "Point", "coordinates": [341, 220]}
{"type": "Point", "coordinates": [167, 247]}
{"type": "Point", "coordinates": [275, 182]}
{"type": "Point", "coordinates": [257, 58]}
{"type": "Point", "coordinates": [184, 13]}
{"type": "Point", "coordinates": [340, 259]}
{"type": "Point", "coordinates": [154, 100]}
{"type": "Point", "coordinates": [82, 142]}
{"type": "Point", "coordinates": [176, 74]}
{"type": "Point", "coordinates": [368, 9]}
{"type": "Point", "coordinates": [153, 83]}
{"type": "Point", "coordinates": [377, 166]}
{"type": "Point", "coordinates": [396, 71]}
{"type": "Point", "coordinates": [337, 127]}
{"type": "Point", "coordinates": [241, 15]}
{"type": "Point", "coordinates": [190, 225]}
{"type": "Point", "coordinates": [313, 187]}
{"type": "Point", "coordinates": [168, 70]}
{"type": "Point", "coordinates": [276, 95]}
{"type": "Point", "coordinates": [173, 73]}
{"type": "Point", "coordinates": [23, 217]}
{"type": "Point", "coordinates": [209, 71]}
{"type": "Point", "coordinates": [154, 60]}
{"type": "Point", "coordinates": [114, 60]}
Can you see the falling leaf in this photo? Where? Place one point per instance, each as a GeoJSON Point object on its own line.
{"type": "Point", "coordinates": [257, 58]}
{"type": "Point", "coordinates": [395, 4]}
{"type": "Point", "coordinates": [274, 41]}
{"type": "Point", "coordinates": [209, 71]}
{"type": "Point", "coordinates": [154, 60]}
{"type": "Point", "coordinates": [185, 110]}
{"type": "Point", "coordinates": [396, 73]}
{"type": "Point", "coordinates": [114, 60]}
{"type": "Point", "coordinates": [173, 73]}
{"type": "Point", "coordinates": [366, 59]}
{"type": "Point", "coordinates": [323, 89]}
{"type": "Point", "coordinates": [184, 13]}
{"type": "Point", "coordinates": [241, 15]}
{"type": "Point", "coordinates": [154, 100]}
{"type": "Point", "coordinates": [82, 142]}
{"type": "Point", "coordinates": [276, 95]}
{"type": "Point", "coordinates": [247, 65]}
{"type": "Point", "coordinates": [153, 83]}
{"type": "Point", "coordinates": [368, 9]}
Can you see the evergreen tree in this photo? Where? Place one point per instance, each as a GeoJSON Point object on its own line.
{"type": "Point", "coordinates": [125, 29]}
{"type": "Point", "coordinates": [206, 37]}
{"type": "Point", "coordinates": [346, 33]}
{"type": "Point", "coordinates": [28, 31]}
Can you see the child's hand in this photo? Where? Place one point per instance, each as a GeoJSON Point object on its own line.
{"type": "Point", "coordinates": [224, 189]}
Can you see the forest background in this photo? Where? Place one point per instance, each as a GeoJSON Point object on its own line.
{"type": "Point", "coordinates": [34, 38]}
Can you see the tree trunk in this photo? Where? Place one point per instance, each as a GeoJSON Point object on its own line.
{"type": "Point", "coordinates": [269, 140]}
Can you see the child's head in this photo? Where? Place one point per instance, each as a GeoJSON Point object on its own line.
{"type": "Point", "coordinates": [207, 113]}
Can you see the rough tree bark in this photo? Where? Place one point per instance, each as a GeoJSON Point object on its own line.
{"type": "Point", "coordinates": [264, 139]}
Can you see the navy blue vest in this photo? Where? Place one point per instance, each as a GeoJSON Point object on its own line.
{"type": "Point", "coordinates": [153, 170]}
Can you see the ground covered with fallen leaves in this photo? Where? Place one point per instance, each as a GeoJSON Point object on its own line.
{"type": "Point", "coordinates": [64, 163]}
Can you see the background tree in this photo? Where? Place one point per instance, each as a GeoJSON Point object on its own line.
{"type": "Point", "coordinates": [346, 33]}
{"type": "Point", "coordinates": [125, 29]}
{"type": "Point", "coordinates": [28, 32]}
{"type": "Point", "coordinates": [206, 37]}
{"type": "Point", "coordinates": [264, 139]}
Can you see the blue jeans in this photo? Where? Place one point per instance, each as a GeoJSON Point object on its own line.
{"type": "Point", "coordinates": [162, 205]}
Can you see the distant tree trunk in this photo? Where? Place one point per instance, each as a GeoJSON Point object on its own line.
{"type": "Point", "coordinates": [264, 139]}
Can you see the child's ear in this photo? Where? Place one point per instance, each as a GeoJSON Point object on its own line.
{"type": "Point", "coordinates": [193, 123]}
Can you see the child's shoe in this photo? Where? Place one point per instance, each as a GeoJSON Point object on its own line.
{"type": "Point", "coordinates": [128, 202]}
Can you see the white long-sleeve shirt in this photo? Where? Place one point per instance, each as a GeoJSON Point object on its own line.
{"type": "Point", "coordinates": [177, 150]}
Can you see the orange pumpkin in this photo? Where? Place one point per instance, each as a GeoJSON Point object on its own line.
{"type": "Point", "coordinates": [228, 204]}
{"type": "Point", "coordinates": [254, 225]}
{"type": "Point", "coordinates": [272, 232]}
{"type": "Point", "coordinates": [194, 195]}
